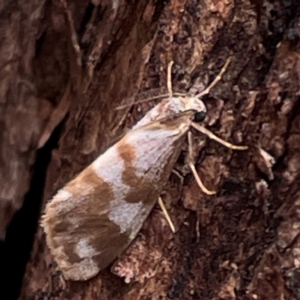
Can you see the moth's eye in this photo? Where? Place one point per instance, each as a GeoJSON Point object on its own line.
{"type": "Point", "coordinates": [199, 116]}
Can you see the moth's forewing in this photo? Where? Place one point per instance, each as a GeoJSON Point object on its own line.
{"type": "Point", "coordinates": [94, 217]}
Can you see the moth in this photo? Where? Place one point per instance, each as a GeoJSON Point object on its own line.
{"type": "Point", "coordinates": [94, 218]}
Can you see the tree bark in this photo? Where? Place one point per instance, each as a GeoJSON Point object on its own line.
{"type": "Point", "coordinates": [241, 243]}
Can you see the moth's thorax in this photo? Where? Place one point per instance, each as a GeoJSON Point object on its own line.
{"type": "Point", "coordinates": [171, 106]}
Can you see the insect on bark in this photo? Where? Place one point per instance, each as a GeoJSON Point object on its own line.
{"type": "Point", "coordinates": [93, 219]}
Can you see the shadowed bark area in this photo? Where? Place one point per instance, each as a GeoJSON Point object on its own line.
{"type": "Point", "coordinates": [241, 243]}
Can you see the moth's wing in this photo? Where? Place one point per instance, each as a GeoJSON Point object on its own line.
{"type": "Point", "coordinates": [78, 231]}
{"type": "Point", "coordinates": [95, 216]}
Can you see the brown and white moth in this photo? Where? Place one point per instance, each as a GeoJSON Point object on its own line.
{"type": "Point", "coordinates": [93, 219]}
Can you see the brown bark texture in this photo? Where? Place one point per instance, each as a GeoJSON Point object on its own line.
{"type": "Point", "coordinates": [71, 63]}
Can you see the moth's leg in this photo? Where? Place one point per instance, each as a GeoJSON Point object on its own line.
{"type": "Point", "coordinates": [169, 94]}
{"type": "Point", "coordinates": [142, 101]}
{"type": "Point", "coordinates": [198, 228]}
{"type": "Point", "coordinates": [216, 80]}
{"type": "Point", "coordinates": [193, 169]}
{"type": "Point", "coordinates": [175, 172]}
{"type": "Point", "coordinates": [169, 79]}
{"type": "Point", "coordinates": [163, 208]}
{"type": "Point", "coordinates": [217, 139]}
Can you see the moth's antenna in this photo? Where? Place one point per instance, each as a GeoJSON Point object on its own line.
{"type": "Point", "coordinates": [163, 208]}
{"type": "Point", "coordinates": [216, 80]}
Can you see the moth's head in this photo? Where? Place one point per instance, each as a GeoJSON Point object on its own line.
{"type": "Point", "coordinates": [196, 105]}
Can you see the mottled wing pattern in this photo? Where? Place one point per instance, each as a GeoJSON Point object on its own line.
{"type": "Point", "coordinates": [95, 216]}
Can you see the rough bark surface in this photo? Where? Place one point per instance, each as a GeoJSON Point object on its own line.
{"type": "Point", "coordinates": [19, 114]}
{"type": "Point", "coordinates": [239, 244]}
